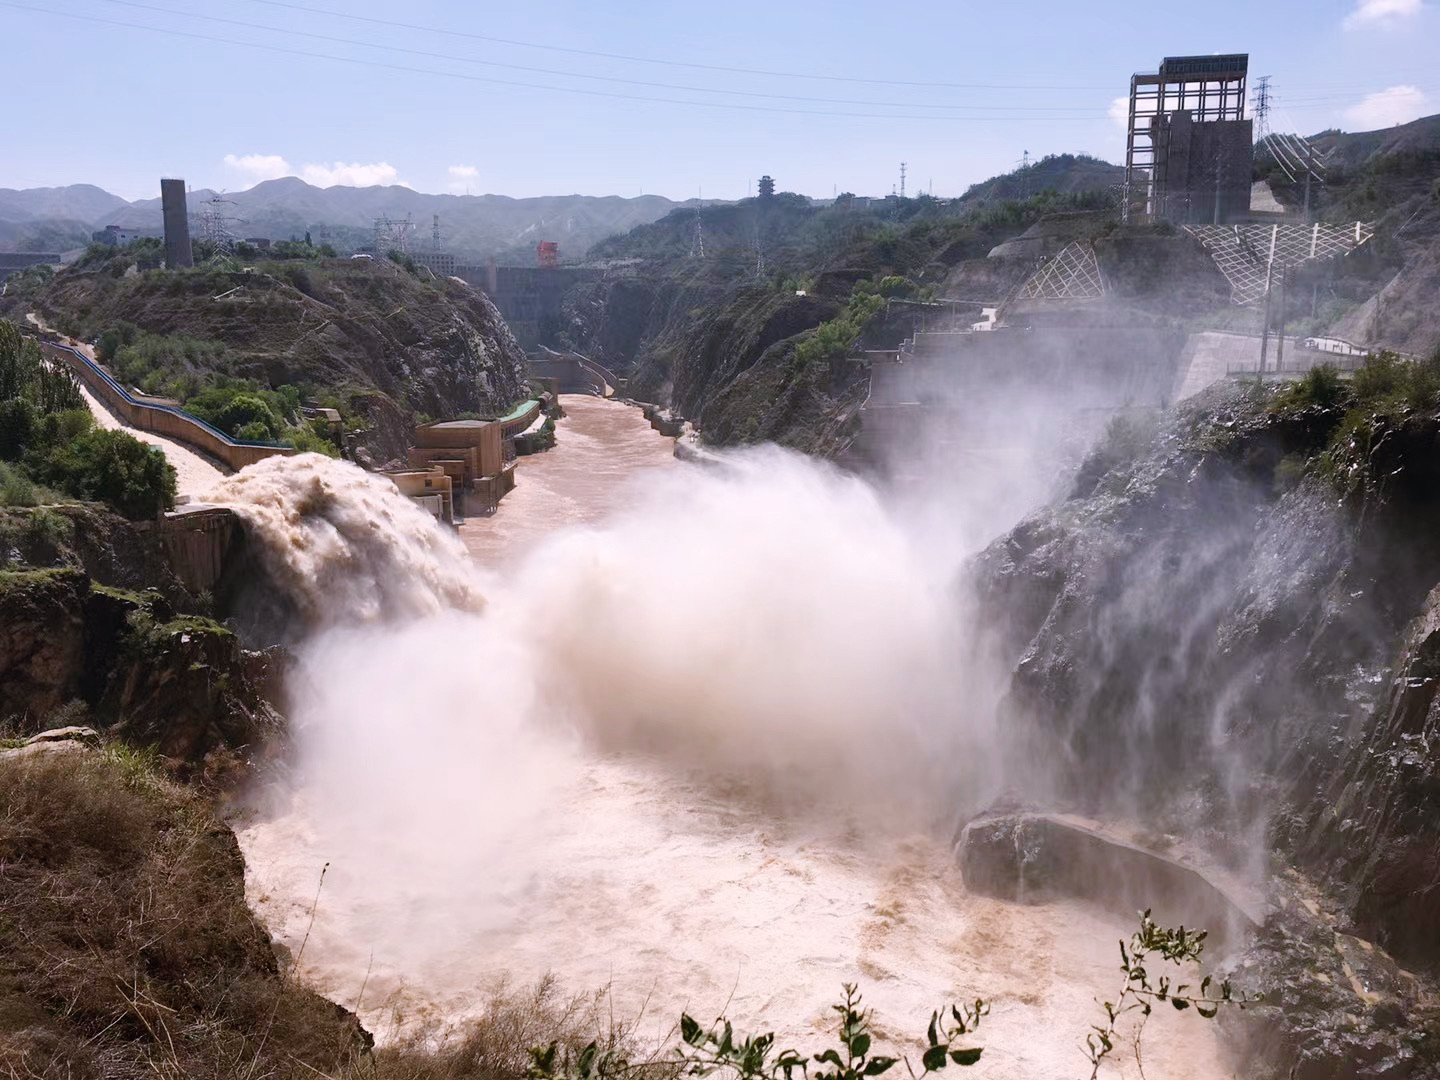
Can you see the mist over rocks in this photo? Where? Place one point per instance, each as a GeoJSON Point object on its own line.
{"type": "Point", "coordinates": [1198, 642]}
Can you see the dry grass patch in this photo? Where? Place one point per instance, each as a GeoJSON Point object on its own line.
{"type": "Point", "coordinates": [496, 1045]}
{"type": "Point", "coordinates": [126, 947]}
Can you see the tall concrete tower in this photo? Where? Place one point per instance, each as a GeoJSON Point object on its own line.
{"type": "Point", "coordinates": [177, 224]}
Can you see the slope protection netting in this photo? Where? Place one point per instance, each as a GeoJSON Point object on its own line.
{"type": "Point", "coordinates": [1245, 254]}
{"type": "Point", "coordinates": [1073, 274]}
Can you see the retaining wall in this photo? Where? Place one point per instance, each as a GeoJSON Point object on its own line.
{"type": "Point", "coordinates": [165, 420]}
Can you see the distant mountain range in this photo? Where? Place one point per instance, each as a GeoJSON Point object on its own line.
{"type": "Point", "coordinates": [473, 226]}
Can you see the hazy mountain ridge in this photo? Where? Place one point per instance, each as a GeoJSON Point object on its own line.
{"type": "Point", "coordinates": [473, 226]}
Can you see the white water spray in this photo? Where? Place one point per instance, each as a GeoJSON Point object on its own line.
{"type": "Point", "coordinates": [696, 752]}
{"type": "Point", "coordinates": [345, 545]}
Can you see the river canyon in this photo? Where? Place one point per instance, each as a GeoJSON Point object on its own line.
{"type": "Point", "coordinates": [704, 742]}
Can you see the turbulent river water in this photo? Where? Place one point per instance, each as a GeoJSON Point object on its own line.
{"type": "Point", "coordinates": [690, 749]}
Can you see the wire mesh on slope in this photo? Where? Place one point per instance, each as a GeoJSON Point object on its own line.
{"type": "Point", "coordinates": [1245, 254]}
{"type": "Point", "coordinates": [1073, 274]}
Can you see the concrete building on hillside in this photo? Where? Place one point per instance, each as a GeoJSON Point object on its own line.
{"type": "Point", "coordinates": [441, 262]}
{"type": "Point", "coordinates": [1189, 146]}
{"type": "Point", "coordinates": [178, 252]}
{"type": "Point", "coordinates": [472, 454]}
{"type": "Point", "coordinates": [119, 235]}
{"type": "Point", "coordinates": [14, 262]}
{"type": "Point", "coordinates": [430, 488]}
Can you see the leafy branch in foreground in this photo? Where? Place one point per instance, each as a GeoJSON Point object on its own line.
{"type": "Point", "coordinates": [1139, 994]}
{"type": "Point", "coordinates": [705, 1051]}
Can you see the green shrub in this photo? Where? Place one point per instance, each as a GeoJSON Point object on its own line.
{"type": "Point", "coordinates": [307, 439]}
{"type": "Point", "coordinates": [111, 340]}
{"type": "Point", "coordinates": [162, 363]}
{"type": "Point", "coordinates": [1320, 387]}
{"type": "Point", "coordinates": [1386, 378]}
{"type": "Point", "coordinates": [48, 530]}
{"type": "Point", "coordinates": [16, 488]}
{"type": "Point", "coordinates": [65, 426]}
{"type": "Point", "coordinates": [232, 408]}
{"type": "Point", "coordinates": [112, 467]}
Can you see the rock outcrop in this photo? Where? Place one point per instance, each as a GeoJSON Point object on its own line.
{"type": "Point", "coordinates": [42, 640]}
{"type": "Point", "coordinates": [182, 684]}
{"type": "Point", "coordinates": [1034, 858]}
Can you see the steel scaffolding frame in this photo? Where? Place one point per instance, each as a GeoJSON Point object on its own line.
{"type": "Point", "coordinates": [1210, 88]}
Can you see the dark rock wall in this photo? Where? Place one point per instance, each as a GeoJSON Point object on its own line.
{"type": "Point", "coordinates": [181, 684]}
{"type": "Point", "coordinates": [1204, 643]}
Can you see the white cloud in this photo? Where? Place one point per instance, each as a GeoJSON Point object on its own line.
{"type": "Point", "coordinates": [1381, 12]}
{"type": "Point", "coordinates": [1386, 108]}
{"type": "Point", "coordinates": [259, 167]}
{"type": "Point", "coordinates": [462, 178]}
{"type": "Point", "coordinates": [1120, 113]}
{"type": "Point", "coordinates": [352, 175]}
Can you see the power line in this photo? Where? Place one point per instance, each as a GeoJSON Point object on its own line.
{"type": "Point", "coordinates": [450, 32]}
{"type": "Point", "coordinates": [595, 78]}
{"type": "Point", "coordinates": [190, 35]}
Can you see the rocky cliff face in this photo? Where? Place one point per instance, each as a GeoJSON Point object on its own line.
{"type": "Point", "coordinates": [1230, 632]}
{"type": "Point", "coordinates": [127, 664]}
{"type": "Point", "coordinates": [1206, 639]}
{"type": "Point", "coordinates": [724, 357]}
{"type": "Point", "coordinates": [380, 341]}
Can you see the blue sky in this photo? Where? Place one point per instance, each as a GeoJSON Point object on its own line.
{"type": "Point", "coordinates": [100, 93]}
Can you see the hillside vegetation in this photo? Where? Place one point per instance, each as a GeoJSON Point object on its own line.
{"type": "Point", "coordinates": [242, 346]}
{"type": "Point", "coordinates": [751, 339]}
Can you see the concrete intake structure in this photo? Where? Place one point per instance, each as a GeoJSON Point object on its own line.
{"type": "Point", "coordinates": [178, 252]}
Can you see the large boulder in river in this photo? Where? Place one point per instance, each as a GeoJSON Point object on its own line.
{"type": "Point", "coordinates": [1034, 858]}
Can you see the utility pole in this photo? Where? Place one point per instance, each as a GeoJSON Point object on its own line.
{"type": "Point", "coordinates": [1309, 169]}
{"type": "Point", "coordinates": [1265, 325]}
{"type": "Point", "coordinates": [1284, 295]}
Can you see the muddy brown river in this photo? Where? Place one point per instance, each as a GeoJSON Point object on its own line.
{"type": "Point", "coordinates": [475, 833]}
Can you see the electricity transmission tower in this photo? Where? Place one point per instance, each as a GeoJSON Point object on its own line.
{"type": "Point", "coordinates": [393, 234]}
{"type": "Point", "coordinates": [1260, 107]}
{"type": "Point", "coordinates": [215, 223]}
